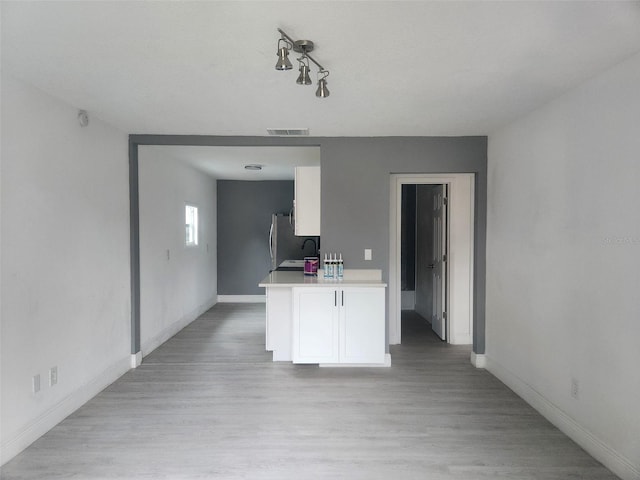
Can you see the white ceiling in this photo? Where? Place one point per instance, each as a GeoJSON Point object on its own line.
{"type": "Point", "coordinates": [227, 163]}
{"type": "Point", "coordinates": [397, 67]}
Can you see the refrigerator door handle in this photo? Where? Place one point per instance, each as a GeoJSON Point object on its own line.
{"type": "Point", "coordinates": [292, 216]}
{"type": "Point", "coordinates": [271, 242]}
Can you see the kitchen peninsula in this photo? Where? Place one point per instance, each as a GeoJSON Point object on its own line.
{"type": "Point", "coordinates": [328, 322]}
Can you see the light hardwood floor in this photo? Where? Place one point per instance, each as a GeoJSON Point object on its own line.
{"type": "Point", "coordinates": [210, 404]}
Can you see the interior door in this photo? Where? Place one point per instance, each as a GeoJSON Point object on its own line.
{"type": "Point", "coordinates": [439, 262]}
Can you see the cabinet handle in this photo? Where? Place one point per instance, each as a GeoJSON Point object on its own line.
{"type": "Point", "coordinates": [343, 298]}
{"type": "Point", "coordinates": [335, 298]}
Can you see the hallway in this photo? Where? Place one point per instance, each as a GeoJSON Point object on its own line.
{"type": "Point", "coordinates": [210, 404]}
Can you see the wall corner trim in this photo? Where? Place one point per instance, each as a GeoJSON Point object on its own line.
{"type": "Point", "coordinates": [478, 360]}
{"type": "Point", "coordinates": [610, 458]}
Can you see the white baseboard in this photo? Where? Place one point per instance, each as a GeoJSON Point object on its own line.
{"type": "Point", "coordinates": [614, 461]}
{"type": "Point", "coordinates": [478, 360]}
{"type": "Point", "coordinates": [242, 298]}
{"type": "Point", "coordinates": [158, 339]}
{"type": "Point", "coordinates": [136, 359]}
{"type": "Point", "coordinates": [61, 410]}
{"type": "Point", "coordinates": [387, 363]}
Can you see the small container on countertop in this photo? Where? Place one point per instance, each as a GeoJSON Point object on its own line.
{"type": "Point", "coordinates": [311, 266]}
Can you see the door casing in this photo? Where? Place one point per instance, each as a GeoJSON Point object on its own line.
{"type": "Point", "coordinates": [461, 243]}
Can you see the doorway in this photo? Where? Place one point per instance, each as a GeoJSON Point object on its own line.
{"type": "Point", "coordinates": [201, 148]}
{"type": "Point", "coordinates": [423, 255]}
{"type": "Point", "coordinates": [451, 275]}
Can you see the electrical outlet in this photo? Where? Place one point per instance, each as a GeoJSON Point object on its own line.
{"type": "Point", "coordinates": [36, 383]}
{"type": "Point", "coordinates": [367, 254]}
{"type": "Point", "coordinates": [575, 388]}
{"type": "Point", "coordinates": [53, 376]}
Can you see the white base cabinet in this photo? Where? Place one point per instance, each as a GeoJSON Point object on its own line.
{"type": "Point", "coordinates": [338, 325]}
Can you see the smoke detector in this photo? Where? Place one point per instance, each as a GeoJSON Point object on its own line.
{"type": "Point", "coordinates": [83, 118]}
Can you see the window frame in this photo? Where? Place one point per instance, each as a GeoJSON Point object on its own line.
{"type": "Point", "coordinates": [195, 225]}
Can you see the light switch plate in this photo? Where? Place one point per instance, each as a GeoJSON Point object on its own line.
{"type": "Point", "coordinates": [367, 254]}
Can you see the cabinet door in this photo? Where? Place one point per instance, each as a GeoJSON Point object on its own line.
{"type": "Point", "coordinates": [362, 325]}
{"type": "Point", "coordinates": [307, 201]}
{"type": "Point", "coordinates": [315, 325]}
{"type": "Point", "coordinates": [278, 323]}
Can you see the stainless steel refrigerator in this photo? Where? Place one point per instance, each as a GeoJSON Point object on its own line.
{"type": "Point", "coordinates": [284, 245]}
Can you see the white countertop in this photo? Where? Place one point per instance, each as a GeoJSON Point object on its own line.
{"type": "Point", "coordinates": [292, 264]}
{"type": "Point", "coordinates": [352, 278]}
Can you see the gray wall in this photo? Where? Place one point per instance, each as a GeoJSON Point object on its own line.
{"type": "Point", "coordinates": [408, 239]}
{"type": "Point", "coordinates": [356, 186]}
{"type": "Point", "coordinates": [356, 189]}
{"type": "Point", "coordinates": [244, 217]}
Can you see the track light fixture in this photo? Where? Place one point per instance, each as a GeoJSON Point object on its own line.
{"type": "Point", "coordinates": [283, 55]}
{"type": "Point", "coordinates": [285, 44]}
{"type": "Point", "coordinates": [322, 91]}
{"type": "Point", "coordinates": [304, 78]}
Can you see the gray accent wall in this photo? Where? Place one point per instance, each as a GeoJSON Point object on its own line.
{"type": "Point", "coordinates": [356, 187]}
{"type": "Point", "coordinates": [355, 197]}
{"type": "Point", "coordinates": [408, 239]}
{"type": "Point", "coordinates": [244, 218]}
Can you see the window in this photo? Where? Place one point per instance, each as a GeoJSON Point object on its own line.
{"type": "Point", "coordinates": [191, 221]}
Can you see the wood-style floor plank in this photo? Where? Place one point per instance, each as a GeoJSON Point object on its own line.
{"type": "Point", "coordinates": [210, 404]}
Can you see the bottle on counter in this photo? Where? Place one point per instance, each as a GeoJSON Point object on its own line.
{"type": "Point", "coordinates": [334, 266]}
{"type": "Point", "coordinates": [326, 267]}
{"type": "Point", "coordinates": [340, 268]}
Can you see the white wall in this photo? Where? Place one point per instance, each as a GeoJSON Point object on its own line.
{"type": "Point", "coordinates": [65, 261]}
{"type": "Point", "coordinates": [173, 291]}
{"type": "Point", "coordinates": [563, 263]}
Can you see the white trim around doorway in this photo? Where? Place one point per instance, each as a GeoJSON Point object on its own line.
{"type": "Point", "coordinates": [461, 241]}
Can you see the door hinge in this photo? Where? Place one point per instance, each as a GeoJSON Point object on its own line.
{"type": "Point", "coordinates": [445, 201]}
{"type": "Point", "coordinates": [444, 315]}
{"type": "Point", "coordinates": [444, 258]}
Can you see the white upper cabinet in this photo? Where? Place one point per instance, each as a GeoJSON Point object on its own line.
{"type": "Point", "coordinates": [306, 202]}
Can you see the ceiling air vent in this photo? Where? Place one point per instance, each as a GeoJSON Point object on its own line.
{"type": "Point", "coordinates": [288, 132]}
